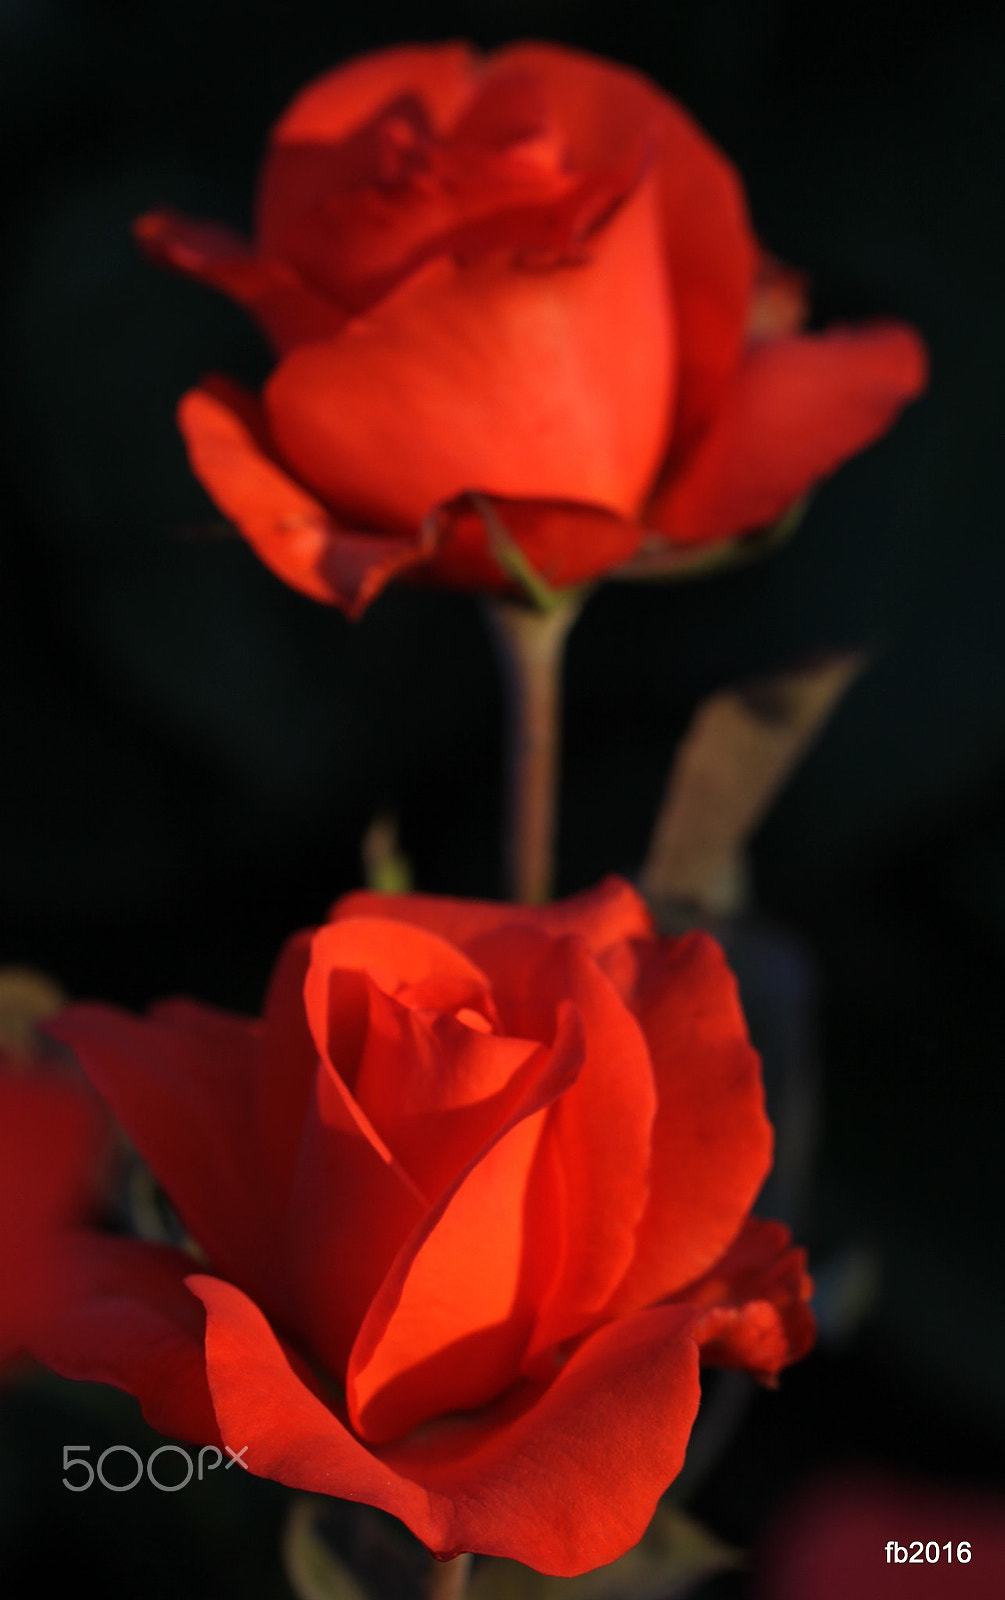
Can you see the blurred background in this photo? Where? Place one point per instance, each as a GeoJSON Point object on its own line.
{"type": "Point", "coordinates": [192, 752]}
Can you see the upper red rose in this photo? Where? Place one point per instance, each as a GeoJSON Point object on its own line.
{"type": "Point", "coordinates": [528, 277]}
{"type": "Point", "coordinates": [470, 1198]}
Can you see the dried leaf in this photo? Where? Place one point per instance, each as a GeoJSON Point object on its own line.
{"type": "Point", "coordinates": [27, 998]}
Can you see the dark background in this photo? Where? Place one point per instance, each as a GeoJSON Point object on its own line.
{"type": "Point", "coordinates": [191, 751]}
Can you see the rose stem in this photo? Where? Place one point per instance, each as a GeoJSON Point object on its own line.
{"type": "Point", "coordinates": [448, 1580]}
{"type": "Point", "coordinates": [739, 749]}
{"type": "Point", "coordinates": [532, 646]}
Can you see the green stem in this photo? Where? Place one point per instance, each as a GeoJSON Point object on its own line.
{"type": "Point", "coordinates": [532, 646]}
{"type": "Point", "coordinates": [448, 1580]}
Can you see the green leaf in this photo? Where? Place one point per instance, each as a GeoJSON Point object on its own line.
{"type": "Point", "coordinates": [314, 1571]}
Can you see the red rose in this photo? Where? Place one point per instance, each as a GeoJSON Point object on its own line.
{"type": "Point", "coordinates": [49, 1151]}
{"type": "Point", "coordinates": [528, 276]}
{"type": "Point", "coordinates": [470, 1198]}
{"type": "Point", "coordinates": [879, 1537]}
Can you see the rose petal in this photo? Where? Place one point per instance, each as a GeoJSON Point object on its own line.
{"type": "Point", "coordinates": [545, 385]}
{"type": "Point", "coordinates": [358, 216]}
{"type": "Point", "coordinates": [351, 1207]}
{"type": "Point", "coordinates": [296, 537]}
{"type": "Point", "coordinates": [182, 1084]}
{"type": "Point", "coordinates": [564, 544]}
{"type": "Point", "coordinates": [797, 408]}
{"type": "Point", "coordinates": [444, 76]}
{"type": "Point", "coordinates": [289, 1059]}
{"type": "Point", "coordinates": [288, 311]}
{"type": "Point", "coordinates": [398, 957]}
{"type": "Point", "coordinates": [129, 1320]}
{"type": "Point", "coordinates": [712, 1142]}
{"type": "Point", "coordinates": [449, 1325]}
{"type": "Point", "coordinates": [316, 1143]}
{"type": "Point", "coordinates": [308, 161]}
{"type": "Point", "coordinates": [780, 304]}
{"type": "Point", "coordinates": [416, 1044]}
{"type": "Point", "coordinates": [831, 1538]}
{"type": "Point", "coordinates": [435, 1088]}
{"type": "Point", "coordinates": [600, 1132]}
{"type": "Point", "coordinates": [757, 1312]}
{"type": "Point", "coordinates": [602, 916]}
{"type": "Point", "coordinates": [709, 250]}
{"type": "Point", "coordinates": [49, 1147]}
{"type": "Point", "coordinates": [564, 1479]}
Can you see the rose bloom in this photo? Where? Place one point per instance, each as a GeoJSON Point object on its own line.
{"type": "Point", "coordinates": [50, 1144]}
{"type": "Point", "coordinates": [516, 291]}
{"type": "Point", "coordinates": [470, 1200]}
{"type": "Point", "coordinates": [840, 1534]}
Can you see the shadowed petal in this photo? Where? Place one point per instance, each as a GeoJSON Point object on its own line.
{"type": "Point", "coordinates": [351, 1207]}
{"type": "Point", "coordinates": [50, 1145]}
{"type": "Point", "coordinates": [443, 75]}
{"type": "Point", "coordinates": [182, 1083]}
{"type": "Point", "coordinates": [129, 1320]}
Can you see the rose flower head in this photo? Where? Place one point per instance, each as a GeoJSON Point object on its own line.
{"type": "Point", "coordinates": [519, 311]}
{"type": "Point", "coordinates": [470, 1200]}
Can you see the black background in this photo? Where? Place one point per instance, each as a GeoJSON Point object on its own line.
{"type": "Point", "coordinates": [191, 751]}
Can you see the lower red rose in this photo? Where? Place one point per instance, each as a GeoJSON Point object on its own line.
{"type": "Point", "coordinates": [472, 1196]}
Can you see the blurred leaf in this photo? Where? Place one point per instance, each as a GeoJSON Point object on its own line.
{"type": "Point", "coordinates": [386, 867]}
{"type": "Point", "coordinates": [676, 1553]}
{"type": "Point", "coordinates": [314, 1571]}
{"type": "Point", "coordinates": [27, 997]}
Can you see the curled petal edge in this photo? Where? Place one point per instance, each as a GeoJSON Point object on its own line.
{"type": "Point", "coordinates": [292, 532]}
{"type": "Point", "coordinates": [564, 1478]}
